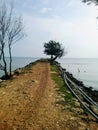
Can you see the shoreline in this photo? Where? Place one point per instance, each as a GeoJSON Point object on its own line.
{"type": "Point", "coordinates": [19, 62]}
{"type": "Point", "coordinates": [37, 91]}
{"type": "Point", "coordinates": [86, 79]}
{"type": "Point", "coordinates": [82, 69]}
{"type": "Point", "coordinates": [88, 90]}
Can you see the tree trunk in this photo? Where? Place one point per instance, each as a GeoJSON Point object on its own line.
{"type": "Point", "coordinates": [10, 57]}
{"type": "Point", "coordinates": [55, 58]}
{"type": "Point", "coordinates": [10, 65]}
{"type": "Point", "coordinates": [5, 65]}
{"type": "Point", "coordinates": [51, 60]}
{"type": "Point", "coordinates": [51, 57]}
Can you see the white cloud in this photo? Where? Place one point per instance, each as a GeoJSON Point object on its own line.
{"type": "Point", "coordinates": [45, 1]}
{"type": "Point", "coordinates": [73, 3]}
{"type": "Point", "coordinates": [80, 37]}
{"type": "Point", "coordinates": [45, 10]}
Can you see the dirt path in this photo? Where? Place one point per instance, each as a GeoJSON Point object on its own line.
{"type": "Point", "coordinates": [28, 103]}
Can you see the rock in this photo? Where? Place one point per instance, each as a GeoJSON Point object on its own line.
{"type": "Point", "coordinates": [94, 109]}
{"type": "Point", "coordinates": [17, 72]}
{"type": "Point", "coordinates": [77, 104]}
{"type": "Point", "coordinates": [0, 80]}
{"type": "Point", "coordinates": [3, 93]}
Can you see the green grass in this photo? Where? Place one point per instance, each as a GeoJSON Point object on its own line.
{"type": "Point", "coordinates": [67, 97]}
{"type": "Point", "coordinates": [54, 68]}
{"type": "Point", "coordinates": [67, 101]}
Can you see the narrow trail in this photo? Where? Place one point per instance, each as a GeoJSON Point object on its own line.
{"type": "Point", "coordinates": [28, 102]}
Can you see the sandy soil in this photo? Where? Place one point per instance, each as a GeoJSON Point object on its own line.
{"type": "Point", "coordinates": [28, 102]}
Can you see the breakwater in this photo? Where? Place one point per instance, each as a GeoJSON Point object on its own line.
{"type": "Point", "coordinates": [86, 96]}
{"type": "Point", "coordinates": [83, 69]}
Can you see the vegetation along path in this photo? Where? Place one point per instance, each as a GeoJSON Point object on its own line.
{"type": "Point", "coordinates": [37, 99]}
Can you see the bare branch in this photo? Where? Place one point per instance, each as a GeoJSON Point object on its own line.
{"type": "Point", "coordinates": [11, 30]}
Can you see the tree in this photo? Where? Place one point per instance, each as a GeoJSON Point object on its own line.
{"type": "Point", "coordinates": [90, 1]}
{"type": "Point", "coordinates": [54, 49]}
{"type": "Point", "coordinates": [11, 30]}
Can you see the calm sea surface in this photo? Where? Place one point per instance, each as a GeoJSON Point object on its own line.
{"type": "Point", "coordinates": [19, 62]}
{"type": "Point", "coordinates": [85, 70]}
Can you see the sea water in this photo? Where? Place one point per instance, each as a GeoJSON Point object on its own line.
{"type": "Point", "coordinates": [19, 62]}
{"type": "Point", "coordinates": [85, 70]}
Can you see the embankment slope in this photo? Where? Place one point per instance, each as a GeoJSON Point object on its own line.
{"type": "Point", "coordinates": [28, 102]}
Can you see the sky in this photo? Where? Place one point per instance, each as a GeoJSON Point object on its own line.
{"type": "Point", "coordinates": [70, 22]}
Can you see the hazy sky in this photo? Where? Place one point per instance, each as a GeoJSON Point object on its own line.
{"type": "Point", "coordinates": [70, 22]}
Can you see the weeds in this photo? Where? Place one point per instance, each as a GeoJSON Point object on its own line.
{"type": "Point", "coordinates": [66, 96]}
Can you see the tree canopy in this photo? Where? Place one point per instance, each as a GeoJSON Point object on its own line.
{"type": "Point", "coordinates": [54, 49]}
{"type": "Point", "coordinates": [91, 1]}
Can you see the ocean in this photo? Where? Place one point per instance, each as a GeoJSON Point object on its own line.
{"type": "Point", "coordinates": [83, 69]}
{"type": "Point", "coordinates": [19, 62]}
